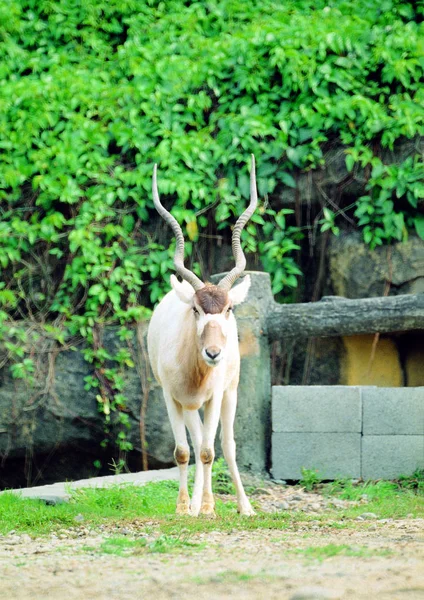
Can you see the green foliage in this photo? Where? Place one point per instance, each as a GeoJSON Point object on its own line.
{"type": "Point", "coordinates": [94, 93]}
{"type": "Point", "coordinates": [348, 490]}
{"type": "Point", "coordinates": [310, 478]}
{"type": "Point", "coordinates": [221, 478]}
{"type": "Point", "coordinates": [122, 546]}
{"type": "Point", "coordinates": [413, 482]}
{"type": "Point", "coordinates": [376, 212]}
{"type": "Point", "coordinates": [322, 552]}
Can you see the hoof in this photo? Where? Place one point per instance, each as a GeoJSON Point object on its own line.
{"type": "Point", "coordinates": [208, 510]}
{"type": "Point", "coordinates": [246, 511]}
{"type": "Point", "coordinates": [183, 509]}
{"type": "Point", "coordinates": [194, 510]}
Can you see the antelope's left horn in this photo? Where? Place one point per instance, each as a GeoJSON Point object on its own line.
{"type": "Point", "coordinates": [227, 282]}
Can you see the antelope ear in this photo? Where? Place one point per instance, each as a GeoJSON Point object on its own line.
{"type": "Point", "coordinates": [238, 294]}
{"type": "Point", "coordinates": [183, 289]}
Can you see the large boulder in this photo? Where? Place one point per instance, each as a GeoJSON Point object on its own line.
{"type": "Point", "coordinates": [56, 420]}
{"type": "Point", "coordinates": [355, 271]}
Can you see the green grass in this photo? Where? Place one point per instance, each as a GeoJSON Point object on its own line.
{"type": "Point", "coordinates": [116, 503]}
{"type": "Point", "coordinates": [124, 546]}
{"type": "Point", "coordinates": [387, 499]}
{"type": "Point", "coordinates": [232, 576]}
{"type": "Point", "coordinates": [330, 550]}
{"type": "Point", "coordinates": [153, 506]}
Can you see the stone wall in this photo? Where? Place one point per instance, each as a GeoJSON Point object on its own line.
{"type": "Point", "coordinates": [355, 271]}
{"type": "Point", "coordinates": [341, 432]}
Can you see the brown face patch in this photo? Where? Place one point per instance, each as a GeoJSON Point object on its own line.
{"type": "Point", "coordinates": [212, 299]}
{"type": "Point", "coordinates": [212, 337]}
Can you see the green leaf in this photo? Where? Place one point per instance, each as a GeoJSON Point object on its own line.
{"type": "Point", "coordinates": [350, 162]}
{"type": "Point", "coordinates": [288, 179]}
{"type": "Point", "coordinates": [95, 289]}
{"type": "Point", "coordinates": [419, 226]}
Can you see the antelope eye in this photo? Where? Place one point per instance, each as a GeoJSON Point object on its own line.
{"type": "Point", "coordinates": [196, 312]}
{"type": "Point", "coordinates": [229, 309]}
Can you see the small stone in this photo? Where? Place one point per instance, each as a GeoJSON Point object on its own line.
{"type": "Point", "coordinates": [297, 498]}
{"type": "Point", "coordinates": [125, 532]}
{"type": "Point", "coordinates": [41, 550]}
{"type": "Point", "coordinates": [385, 520]}
{"type": "Point", "coordinates": [261, 492]}
{"type": "Point", "coordinates": [368, 515]}
{"type": "Point", "coordinates": [26, 538]}
{"type": "Point", "coordinates": [283, 505]}
{"type": "Point", "coordinates": [13, 540]}
{"type": "Point", "coordinates": [53, 500]}
{"type": "Point", "coordinates": [315, 593]}
{"type": "Point", "coordinates": [79, 518]}
{"type": "Point", "coordinates": [338, 503]}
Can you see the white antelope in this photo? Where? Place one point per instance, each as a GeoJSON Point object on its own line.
{"type": "Point", "coordinates": [194, 354]}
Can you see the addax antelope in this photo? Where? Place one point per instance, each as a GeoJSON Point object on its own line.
{"type": "Point", "coordinates": [194, 353]}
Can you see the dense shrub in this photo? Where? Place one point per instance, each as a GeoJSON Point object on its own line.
{"type": "Point", "coordinates": [94, 92]}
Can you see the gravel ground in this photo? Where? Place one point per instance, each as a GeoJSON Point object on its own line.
{"type": "Point", "coordinates": [387, 561]}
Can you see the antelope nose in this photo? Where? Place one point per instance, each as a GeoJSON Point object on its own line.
{"type": "Point", "coordinates": [213, 352]}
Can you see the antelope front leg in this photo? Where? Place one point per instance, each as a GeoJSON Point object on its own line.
{"type": "Point", "coordinates": [207, 452]}
{"type": "Point", "coordinates": [181, 452]}
{"type": "Point", "coordinates": [195, 427]}
{"type": "Point", "coordinates": [228, 412]}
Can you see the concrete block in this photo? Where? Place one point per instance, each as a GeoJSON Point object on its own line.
{"type": "Point", "coordinates": [388, 456]}
{"type": "Point", "coordinates": [332, 454]}
{"type": "Point", "coordinates": [396, 411]}
{"type": "Point", "coordinates": [326, 409]}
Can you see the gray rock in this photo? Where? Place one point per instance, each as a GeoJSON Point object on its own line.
{"type": "Point", "coordinates": [79, 518]}
{"type": "Point", "coordinates": [368, 515]}
{"type": "Point", "coordinates": [358, 272]}
{"type": "Point", "coordinates": [315, 593]}
{"type": "Point", "coordinates": [53, 500]}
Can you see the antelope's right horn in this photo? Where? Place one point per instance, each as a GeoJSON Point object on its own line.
{"type": "Point", "coordinates": [227, 282]}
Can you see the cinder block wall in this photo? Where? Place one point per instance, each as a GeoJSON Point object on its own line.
{"type": "Point", "coordinates": [342, 431]}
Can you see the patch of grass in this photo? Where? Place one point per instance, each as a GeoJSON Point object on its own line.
{"type": "Point", "coordinates": [413, 482]}
{"type": "Point", "coordinates": [163, 544]}
{"type": "Point", "coordinates": [154, 504]}
{"type": "Point", "coordinates": [128, 501]}
{"type": "Point", "coordinates": [387, 499]}
{"type": "Point", "coordinates": [323, 552]}
{"type": "Point", "coordinates": [33, 516]}
{"type": "Point", "coordinates": [221, 478]}
{"type": "Point", "coordinates": [231, 576]}
{"type": "Point", "coordinates": [154, 500]}
{"type": "Point", "coordinates": [226, 521]}
{"type": "Point", "coordinates": [310, 478]}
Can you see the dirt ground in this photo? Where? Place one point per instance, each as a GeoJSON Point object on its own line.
{"type": "Point", "coordinates": [387, 562]}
